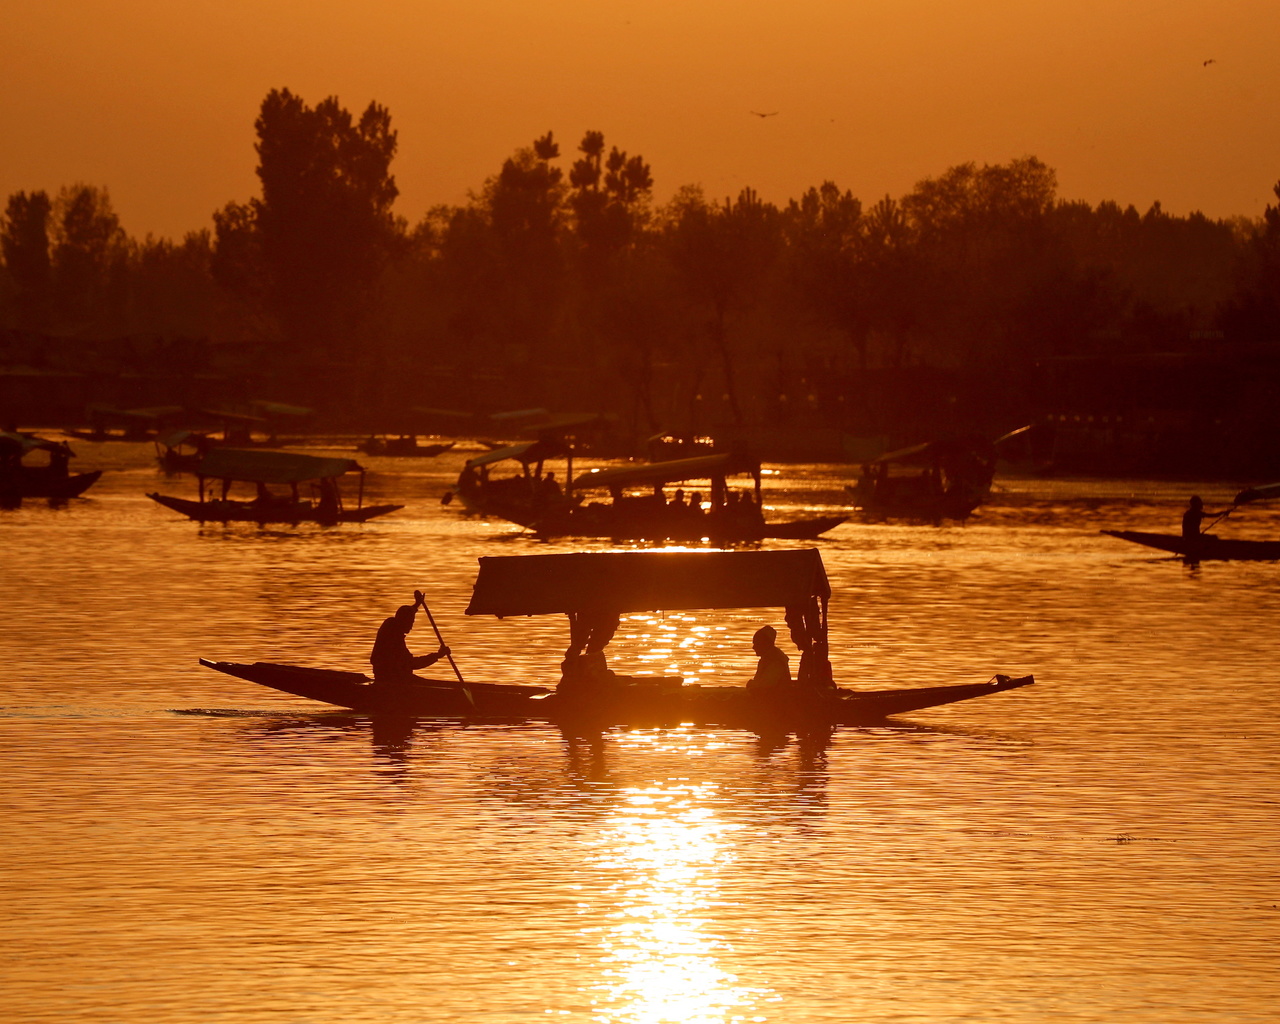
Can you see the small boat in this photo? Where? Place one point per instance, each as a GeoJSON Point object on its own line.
{"type": "Point", "coordinates": [728, 515]}
{"type": "Point", "coordinates": [402, 446]}
{"type": "Point", "coordinates": [53, 479]}
{"type": "Point", "coordinates": [1208, 547]}
{"type": "Point", "coordinates": [594, 589]}
{"type": "Point", "coordinates": [266, 468]}
{"type": "Point", "coordinates": [943, 479]}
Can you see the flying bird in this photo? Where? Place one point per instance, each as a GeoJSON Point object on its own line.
{"type": "Point", "coordinates": [771, 113]}
{"type": "Point", "coordinates": [1208, 62]}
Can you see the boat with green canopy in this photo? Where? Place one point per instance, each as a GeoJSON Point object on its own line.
{"type": "Point", "coordinates": [594, 590]}
{"type": "Point", "coordinates": [222, 468]}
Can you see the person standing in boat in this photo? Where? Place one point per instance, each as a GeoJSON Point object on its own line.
{"type": "Point", "coordinates": [391, 658]}
{"type": "Point", "coordinates": [773, 670]}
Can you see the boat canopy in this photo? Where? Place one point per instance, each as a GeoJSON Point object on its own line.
{"type": "Point", "coordinates": [234, 417]}
{"type": "Point", "coordinates": [1262, 492]}
{"type": "Point", "coordinates": [637, 581]}
{"type": "Point", "coordinates": [700, 467]}
{"type": "Point", "coordinates": [527, 452]}
{"type": "Point", "coordinates": [271, 467]}
{"type": "Point", "coordinates": [151, 414]}
{"type": "Point", "coordinates": [173, 438]}
{"type": "Point", "coordinates": [23, 443]}
{"type": "Point", "coordinates": [269, 408]}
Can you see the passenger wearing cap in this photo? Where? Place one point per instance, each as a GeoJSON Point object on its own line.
{"type": "Point", "coordinates": [773, 670]}
{"type": "Point", "coordinates": [391, 658]}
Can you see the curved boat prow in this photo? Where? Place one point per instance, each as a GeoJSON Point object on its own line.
{"type": "Point", "coordinates": [883, 703]}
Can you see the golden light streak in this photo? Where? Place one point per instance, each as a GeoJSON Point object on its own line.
{"type": "Point", "coordinates": [661, 956]}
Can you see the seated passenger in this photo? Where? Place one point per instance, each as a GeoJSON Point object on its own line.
{"type": "Point", "coordinates": [773, 670]}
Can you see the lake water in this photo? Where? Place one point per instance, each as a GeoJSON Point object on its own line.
{"type": "Point", "coordinates": [1101, 846]}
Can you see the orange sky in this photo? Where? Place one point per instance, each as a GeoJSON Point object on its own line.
{"type": "Point", "coordinates": [155, 99]}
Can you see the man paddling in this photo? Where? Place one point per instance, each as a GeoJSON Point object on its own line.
{"type": "Point", "coordinates": [1194, 515]}
{"type": "Point", "coordinates": [391, 658]}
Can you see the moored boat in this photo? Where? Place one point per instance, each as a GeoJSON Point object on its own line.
{"type": "Point", "coordinates": [594, 589]}
{"type": "Point", "coordinates": [267, 468]}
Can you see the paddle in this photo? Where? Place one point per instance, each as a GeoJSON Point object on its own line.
{"type": "Point", "coordinates": [418, 599]}
{"type": "Point", "coordinates": [1221, 516]}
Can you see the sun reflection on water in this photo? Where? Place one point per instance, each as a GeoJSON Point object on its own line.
{"type": "Point", "coordinates": [665, 846]}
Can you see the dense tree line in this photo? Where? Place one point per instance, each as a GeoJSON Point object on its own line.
{"type": "Point", "coordinates": [562, 282]}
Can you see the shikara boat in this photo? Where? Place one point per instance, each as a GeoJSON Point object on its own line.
{"type": "Point", "coordinates": [639, 509]}
{"type": "Point", "coordinates": [942, 479]}
{"type": "Point", "coordinates": [267, 468]}
{"type": "Point", "coordinates": [594, 589]}
{"type": "Point", "coordinates": [52, 479]}
{"type": "Point", "coordinates": [1208, 547]}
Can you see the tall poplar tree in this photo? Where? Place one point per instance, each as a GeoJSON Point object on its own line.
{"type": "Point", "coordinates": [323, 227]}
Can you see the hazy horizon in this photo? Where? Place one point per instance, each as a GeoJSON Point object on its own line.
{"type": "Point", "coordinates": [156, 102]}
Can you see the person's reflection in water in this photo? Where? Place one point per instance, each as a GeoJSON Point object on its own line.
{"type": "Point", "coordinates": [393, 736]}
{"type": "Point", "coordinates": [586, 756]}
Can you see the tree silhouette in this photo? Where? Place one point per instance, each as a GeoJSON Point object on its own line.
{"type": "Point", "coordinates": [24, 243]}
{"type": "Point", "coordinates": [90, 250]}
{"type": "Point", "coordinates": [323, 223]}
{"type": "Point", "coordinates": [722, 254]}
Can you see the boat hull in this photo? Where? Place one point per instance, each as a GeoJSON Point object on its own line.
{"type": "Point", "coordinates": [634, 703]}
{"type": "Point", "coordinates": [1207, 548]}
{"type": "Point", "coordinates": [249, 512]}
{"type": "Point", "coordinates": [611, 524]}
{"type": "Point", "coordinates": [40, 483]}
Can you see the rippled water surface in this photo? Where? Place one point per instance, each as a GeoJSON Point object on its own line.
{"type": "Point", "coordinates": [180, 846]}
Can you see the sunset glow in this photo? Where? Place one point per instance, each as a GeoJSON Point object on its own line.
{"type": "Point", "coordinates": [1163, 100]}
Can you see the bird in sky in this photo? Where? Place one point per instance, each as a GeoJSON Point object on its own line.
{"type": "Point", "coordinates": [771, 113]}
{"type": "Point", "coordinates": [1208, 62]}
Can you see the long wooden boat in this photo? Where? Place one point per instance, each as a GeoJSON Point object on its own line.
{"type": "Point", "coordinates": [263, 468]}
{"type": "Point", "coordinates": [1208, 547]}
{"type": "Point", "coordinates": [631, 701]}
{"type": "Point", "coordinates": [229, 511]}
{"type": "Point", "coordinates": [727, 515]}
{"type": "Point", "coordinates": [595, 589]}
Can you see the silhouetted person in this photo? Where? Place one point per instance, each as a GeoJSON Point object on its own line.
{"type": "Point", "coordinates": [773, 670]}
{"type": "Point", "coordinates": [391, 658]}
{"type": "Point", "coordinates": [328, 504]}
{"type": "Point", "coordinates": [549, 490]}
{"type": "Point", "coordinates": [1193, 516]}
